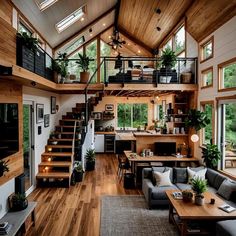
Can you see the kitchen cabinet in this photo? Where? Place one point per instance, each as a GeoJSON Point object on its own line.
{"type": "Point", "coordinates": [110, 143]}
{"type": "Point", "coordinates": [99, 142]}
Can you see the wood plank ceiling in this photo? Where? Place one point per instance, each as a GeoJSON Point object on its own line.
{"type": "Point", "coordinates": [140, 19]}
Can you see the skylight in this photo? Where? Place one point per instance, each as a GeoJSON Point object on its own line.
{"type": "Point", "coordinates": [71, 19]}
{"type": "Point", "coordinates": [45, 4]}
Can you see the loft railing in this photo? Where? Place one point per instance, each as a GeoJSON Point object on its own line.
{"type": "Point", "coordinates": [139, 70]}
{"type": "Point", "coordinates": [38, 61]}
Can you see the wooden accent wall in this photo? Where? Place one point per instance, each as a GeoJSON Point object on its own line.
{"type": "Point", "coordinates": [7, 35]}
{"type": "Point", "coordinates": [12, 93]}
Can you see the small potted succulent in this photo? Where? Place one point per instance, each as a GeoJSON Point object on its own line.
{"type": "Point", "coordinates": [90, 159]}
{"type": "Point", "coordinates": [3, 167]}
{"type": "Point", "coordinates": [78, 171]}
{"type": "Point", "coordinates": [18, 202]}
{"type": "Point", "coordinates": [199, 186]}
{"type": "Point", "coordinates": [187, 195]}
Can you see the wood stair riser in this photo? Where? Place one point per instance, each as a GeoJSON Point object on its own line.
{"type": "Point", "coordinates": [53, 158]}
{"type": "Point", "coordinates": [50, 169]}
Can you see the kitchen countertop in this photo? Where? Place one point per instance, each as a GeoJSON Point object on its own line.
{"type": "Point", "coordinates": [151, 133]}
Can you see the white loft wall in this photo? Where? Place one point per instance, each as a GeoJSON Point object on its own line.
{"type": "Point", "coordinates": [6, 190]}
{"type": "Point", "coordinates": [191, 45]}
{"type": "Point", "coordinates": [42, 97]}
{"type": "Point", "coordinates": [224, 49]}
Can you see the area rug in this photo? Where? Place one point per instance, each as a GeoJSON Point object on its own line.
{"type": "Point", "coordinates": [129, 215]}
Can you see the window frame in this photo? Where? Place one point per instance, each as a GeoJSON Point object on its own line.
{"type": "Point", "coordinates": [203, 72]}
{"type": "Point", "coordinates": [202, 46]}
{"type": "Point", "coordinates": [202, 131]}
{"type": "Point", "coordinates": [25, 25]}
{"type": "Point", "coordinates": [220, 67]}
{"type": "Point", "coordinates": [173, 39]}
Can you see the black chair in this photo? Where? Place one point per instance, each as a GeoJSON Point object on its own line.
{"type": "Point", "coordinates": [123, 166]}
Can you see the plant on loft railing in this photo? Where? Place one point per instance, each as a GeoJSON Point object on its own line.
{"type": "Point", "coordinates": [32, 57]}
{"type": "Point", "coordinates": [140, 70]}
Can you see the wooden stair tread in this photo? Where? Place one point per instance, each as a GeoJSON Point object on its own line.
{"type": "Point", "coordinates": [58, 154]}
{"type": "Point", "coordinates": [59, 146]}
{"type": "Point", "coordinates": [53, 175]}
{"type": "Point", "coordinates": [56, 163]}
{"type": "Point", "coordinates": [62, 139]}
{"type": "Point", "coordinates": [71, 119]}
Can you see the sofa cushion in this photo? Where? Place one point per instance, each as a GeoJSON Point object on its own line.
{"type": "Point", "coordinates": [162, 169]}
{"type": "Point", "coordinates": [196, 174]}
{"type": "Point", "coordinates": [227, 188]}
{"type": "Point", "coordinates": [211, 189]}
{"type": "Point", "coordinates": [219, 180]}
{"type": "Point", "coordinates": [162, 179]}
{"type": "Point", "coordinates": [158, 193]}
{"type": "Point", "coordinates": [147, 173]}
{"type": "Point", "coordinates": [226, 228]}
{"type": "Point", "coordinates": [211, 175]}
{"type": "Point", "coordinates": [183, 186]}
{"type": "Point", "coordinates": [180, 175]}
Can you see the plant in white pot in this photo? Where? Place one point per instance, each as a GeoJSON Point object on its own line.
{"type": "Point", "coordinates": [199, 186]}
{"type": "Point", "coordinates": [83, 63]}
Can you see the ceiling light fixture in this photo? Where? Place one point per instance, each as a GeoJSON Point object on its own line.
{"type": "Point", "coordinates": [104, 24]}
{"type": "Point", "coordinates": [45, 4]}
{"type": "Point", "coordinates": [71, 19]}
{"type": "Point", "coordinates": [82, 19]}
{"type": "Point", "coordinates": [116, 41]}
{"type": "Point", "coordinates": [158, 28]}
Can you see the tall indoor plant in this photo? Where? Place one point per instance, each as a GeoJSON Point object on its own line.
{"type": "Point", "coordinates": [90, 159]}
{"type": "Point", "coordinates": [83, 64]}
{"type": "Point", "coordinates": [30, 42]}
{"type": "Point", "coordinates": [211, 155]}
{"type": "Point", "coordinates": [60, 66]}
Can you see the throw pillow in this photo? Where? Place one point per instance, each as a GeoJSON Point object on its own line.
{"type": "Point", "coordinates": [162, 179]}
{"type": "Point", "coordinates": [227, 188]}
{"type": "Point", "coordinates": [193, 174]}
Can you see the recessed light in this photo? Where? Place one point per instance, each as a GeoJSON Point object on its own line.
{"type": "Point", "coordinates": [82, 19]}
{"type": "Point", "coordinates": [91, 34]}
{"type": "Point", "coordinates": [158, 11]}
{"type": "Point", "coordinates": [128, 44]}
{"type": "Point", "coordinates": [104, 24]}
{"type": "Point", "coordinates": [139, 51]}
{"type": "Point", "coordinates": [109, 36]}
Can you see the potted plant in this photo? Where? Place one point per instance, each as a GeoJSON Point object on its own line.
{"type": "Point", "coordinates": [187, 195]}
{"type": "Point", "coordinates": [27, 40]}
{"type": "Point", "coordinates": [199, 186]}
{"type": "Point", "coordinates": [211, 155]}
{"type": "Point", "coordinates": [90, 159]}
{"type": "Point", "coordinates": [78, 171]}
{"type": "Point", "coordinates": [61, 66]}
{"type": "Point", "coordinates": [3, 167]}
{"type": "Point", "coordinates": [56, 71]}
{"type": "Point", "coordinates": [197, 119]}
{"type": "Point", "coordinates": [18, 202]}
{"type": "Point", "coordinates": [168, 59]}
{"type": "Point", "coordinates": [83, 63]}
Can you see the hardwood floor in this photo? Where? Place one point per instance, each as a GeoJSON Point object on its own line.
{"type": "Point", "coordinates": [76, 211]}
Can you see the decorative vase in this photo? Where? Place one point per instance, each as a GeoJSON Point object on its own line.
{"type": "Point", "coordinates": [84, 77]}
{"type": "Point", "coordinates": [199, 200]}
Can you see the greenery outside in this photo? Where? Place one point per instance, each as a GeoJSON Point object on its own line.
{"type": "Point", "coordinates": [207, 131]}
{"type": "Point", "coordinates": [91, 52]}
{"type": "Point", "coordinates": [26, 136]}
{"type": "Point", "coordinates": [230, 126]}
{"type": "Point", "coordinates": [229, 76]}
{"type": "Point", "coordinates": [132, 115]}
{"type": "Point", "coordinates": [207, 78]}
{"type": "Point", "coordinates": [207, 50]}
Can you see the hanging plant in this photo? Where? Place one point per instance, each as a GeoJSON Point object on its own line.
{"type": "Point", "coordinates": [197, 119]}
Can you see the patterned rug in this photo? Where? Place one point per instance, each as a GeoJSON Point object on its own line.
{"type": "Point", "coordinates": [129, 216]}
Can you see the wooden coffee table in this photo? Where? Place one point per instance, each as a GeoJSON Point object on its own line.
{"type": "Point", "coordinates": [185, 213]}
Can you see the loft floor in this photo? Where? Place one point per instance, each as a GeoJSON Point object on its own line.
{"type": "Point", "coordinates": [76, 211]}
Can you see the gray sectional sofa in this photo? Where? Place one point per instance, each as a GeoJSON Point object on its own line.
{"type": "Point", "coordinates": [217, 183]}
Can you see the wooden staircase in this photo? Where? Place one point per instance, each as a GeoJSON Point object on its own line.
{"type": "Point", "coordinates": [56, 165]}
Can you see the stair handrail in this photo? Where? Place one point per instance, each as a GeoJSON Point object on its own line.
{"type": "Point", "coordinates": [73, 144]}
{"type": "Point", "coordinates": [86, 92]}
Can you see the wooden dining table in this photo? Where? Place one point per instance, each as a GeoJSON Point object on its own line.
{"type": "Point", "coordinates": [136, 159]}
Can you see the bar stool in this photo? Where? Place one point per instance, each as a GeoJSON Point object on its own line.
{"type": "Point", "coordinates": [123, 166]}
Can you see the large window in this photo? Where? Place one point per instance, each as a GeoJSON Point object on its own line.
{"type": "Point", "coordinates": [73, 67]}
{"type": "Point", "coordinates": [91, 52]}
{"type": "Point", "coordinates": [24, 29]}
{"type": "Point", "coordinates": [206, 49]}
{"type": "Point", "coordinates": [179, 41]}
{"type": "Point", "coordinates": [227, 74]}
{"type": "Point", "coordinates": [207, 77]}
{"type": "Point", "coordinates": [105, 51]}
{"type": "Point", "coordinates": [132, 115]}
{"type": "Point", "coordinates": [168, 44]}
{"type": "Point", "coordinates": [227, 134]}
{"type": "Point", "coordinates": [207, 132]}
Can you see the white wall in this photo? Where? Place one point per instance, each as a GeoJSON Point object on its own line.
{"type": "Point", "coordinates": [42, 97]}
{"type": "Point", "coordinates": [224, 49]}
{"type": "Point", "coordinates": [191, 45]}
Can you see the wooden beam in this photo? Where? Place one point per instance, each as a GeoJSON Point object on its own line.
{"type": "Point", "coordinates": [135, 40]}
{"type": "Point", "coordinates": [86, 27]}
{"type": "Point", "coordinates": [98, 59]}
{"type": "Point", "coordinates": [117, 11]}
